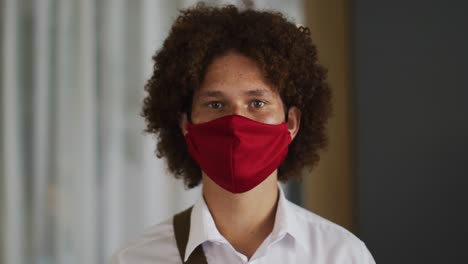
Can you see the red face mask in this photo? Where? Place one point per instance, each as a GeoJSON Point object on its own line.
{"type": "Point", "coordinates": [238, 153]}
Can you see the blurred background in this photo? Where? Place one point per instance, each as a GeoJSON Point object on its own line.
{"type": "Point", "coordinates": [79, 178]}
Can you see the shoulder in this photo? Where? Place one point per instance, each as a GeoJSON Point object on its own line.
{"type": "Point", "coordinates": [319, 226]}
{"type": "Point", "coordinates": [331, 239]}
{"type": "Point", "coordinates": [157, 244]}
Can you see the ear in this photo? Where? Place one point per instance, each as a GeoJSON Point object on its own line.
{"type": "Point", "coordinates": [183, 123]}
{"type": "Point", "coordinates": [294, 121]}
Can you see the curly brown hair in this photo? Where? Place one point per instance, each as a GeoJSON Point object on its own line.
{"type": "Point", "coordinates": [284, 53]}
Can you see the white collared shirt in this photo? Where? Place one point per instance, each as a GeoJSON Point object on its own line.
{"type": "Point", "coordinates": [298, 236]}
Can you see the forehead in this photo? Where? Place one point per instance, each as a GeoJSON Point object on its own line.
{"type": "Point", "coordinates": [232, 72]}
{"type": "Point", "coordinates": [232, 61]}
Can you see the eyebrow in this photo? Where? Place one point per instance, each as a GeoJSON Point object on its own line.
{"type": "Point", "coordinates": [255, 92]}
{"type": "Point", "coordinates": [259, 92]}
{"type": "Point", "coordinates": [211, 94]}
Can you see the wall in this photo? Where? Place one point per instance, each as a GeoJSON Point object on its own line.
{"type": "Point", "coordinates": [328, 190]}
{"type": "Point", "coordinates": [411, 102]}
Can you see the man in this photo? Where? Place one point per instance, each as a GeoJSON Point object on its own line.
{"type": "Point", "coordinates": [238, 101]}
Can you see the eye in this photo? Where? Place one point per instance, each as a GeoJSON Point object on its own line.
{"type": "Point", "coordinates": [215, 105]}
{"type": "Point", "coordinates": [257, 104]}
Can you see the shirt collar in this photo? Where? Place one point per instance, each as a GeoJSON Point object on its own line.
{"type": "Point", "coordinates": [286, 222]}
{"type": "Point", "coordinates": [205, 227]}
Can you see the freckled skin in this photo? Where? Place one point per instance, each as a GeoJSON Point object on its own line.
{"type": "Point", "coordinates": [232, 76]}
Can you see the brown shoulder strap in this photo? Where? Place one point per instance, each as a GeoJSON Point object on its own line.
{"type": "Point", "coordinates": [181, 223]}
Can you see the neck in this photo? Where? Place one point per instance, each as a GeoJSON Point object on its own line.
{"type": "Point", "coordinates": [244, 219]}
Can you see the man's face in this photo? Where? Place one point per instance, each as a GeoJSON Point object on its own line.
{"type": "Point", "coordinates": [233, 84]}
